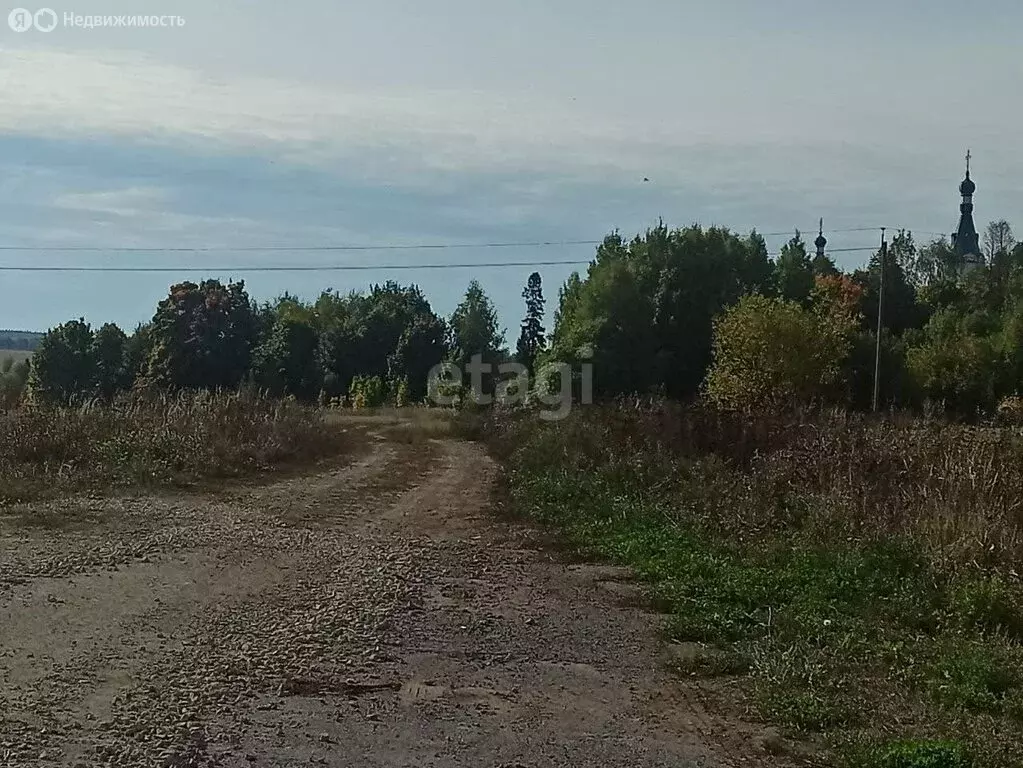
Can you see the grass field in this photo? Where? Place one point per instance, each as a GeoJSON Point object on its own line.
{"type": "Point", "coordinates": [16, 354]}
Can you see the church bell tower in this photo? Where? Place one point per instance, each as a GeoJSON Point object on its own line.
{"type": "Point", "coordinates": [966, 241]}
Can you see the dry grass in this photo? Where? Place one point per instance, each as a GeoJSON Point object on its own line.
{"type": "Point", "coordinates": [17, 355]}
{"type": "Point", "coordinates": [957, 490]}
{"type": "Point", "coordinates": [411, 424]}
{"type": "Point", "coordinates": [152, 441]}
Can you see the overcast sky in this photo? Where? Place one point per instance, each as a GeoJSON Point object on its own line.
{"type": "Point", "coordinates": [318, 122]}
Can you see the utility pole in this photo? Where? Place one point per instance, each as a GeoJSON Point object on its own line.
{"type": "Point", "coordinates": [880, 318]}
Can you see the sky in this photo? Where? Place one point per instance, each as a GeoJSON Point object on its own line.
{"type": "Point", "coordinates": [394, 123]}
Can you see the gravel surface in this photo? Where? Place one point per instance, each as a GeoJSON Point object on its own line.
{"type": "Point", "coordinates": [371, 615]}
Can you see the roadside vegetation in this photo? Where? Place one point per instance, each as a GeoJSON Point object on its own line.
{"type": "Point", "coordinates": [153, 441]}
{"type": "Point", "coordinates": [860, 576]}
{"type": "Point", "coordinates": [14, 371]}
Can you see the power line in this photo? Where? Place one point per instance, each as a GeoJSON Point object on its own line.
{"type": "Point", "coordinates": [927, 232]}
{"type": "Point", "coordinates": [357, 248]}
{"type": "Point", "coordinates": [790, 232]}
{"type": "Point", "coordinates": [309, 268]}
{"type": "Point", "coordinates": [333, 267]}
{"type": "Point", "coordinates": [303, 248]}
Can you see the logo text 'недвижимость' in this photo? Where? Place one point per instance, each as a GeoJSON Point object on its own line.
{"type": "Point", "coordinates": [47, 20]}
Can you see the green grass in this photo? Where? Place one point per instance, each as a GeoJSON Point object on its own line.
{"type": "Point", "coordinates": [895, 656]}
{"type": "Point", "coordinates": [918, 754]}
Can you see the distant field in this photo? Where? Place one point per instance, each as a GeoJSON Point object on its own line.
{"type": "Point", "coordinates": [17, 354]}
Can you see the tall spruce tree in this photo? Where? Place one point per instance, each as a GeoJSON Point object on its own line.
{"type": "Point", "coordinates": [532, 338]}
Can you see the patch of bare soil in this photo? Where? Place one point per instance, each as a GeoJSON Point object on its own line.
{"type": "Point", "coordinates": [373, 615]}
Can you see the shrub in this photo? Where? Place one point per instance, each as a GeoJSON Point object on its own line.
{"type": "Point", "coordinates": [367, 392]}
{"type": "Point", "coordinates": [770, 353]}
{"type": "Point", "coordinates": [401, 393]}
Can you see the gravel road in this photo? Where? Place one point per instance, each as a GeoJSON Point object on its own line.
{"type": "Point", "coordinates": [374, 614]}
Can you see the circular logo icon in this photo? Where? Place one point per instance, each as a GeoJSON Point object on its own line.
{"type": "Point", "coordinates": [45, 19]}
{"type": "Point", "coordinates": [20, 20]}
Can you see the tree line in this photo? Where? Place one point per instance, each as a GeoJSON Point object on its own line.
{"type": "Point", "coordinates": [705, 312]}
{"type": "Point", "coordinates": [367, 347]}
{"type": "Point", "coordinates": [683, 312]}
{"type": "Point", "coordinates": [18, 340]}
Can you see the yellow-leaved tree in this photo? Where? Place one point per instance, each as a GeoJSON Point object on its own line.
{"type": "Point", "coordinates": [773, 353]}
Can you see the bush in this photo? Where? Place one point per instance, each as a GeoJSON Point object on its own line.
{"type": "Point", "coordinates": [770, 353]}
{"type": "Point", "coordinates": [367, 392]}
{"type": "Point", "coordinates": [401, 393]}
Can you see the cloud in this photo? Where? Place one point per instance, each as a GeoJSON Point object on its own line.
{"type": "Point", "coordinates": [127, 202]}
{"type": "Point", "coordinates": [117, 148]}
{"type": "Point", "coordinates": [58, 93]}
{"type": "Point", "coordinates": [528, 143]}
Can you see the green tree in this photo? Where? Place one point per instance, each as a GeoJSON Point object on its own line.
{"type": "Point", "coordinates": [420, 347]}
{"type": "Point", "coordinates": [474, 327]}
{"type": "Point", "coordinates": [568, 299]}
{"type": "Point", "coordinates": [202, 337]}
{"type": "Point", "coordinates": [285, 363]}
{"type": "Point", "coordinates": [610, 313]}
{"type": "Point", "coordinates": [895, 389]}
{"type": "Point", "coordinates": [391, 333]}
{"type": "Point", "coordinates": [368, 392]}
{"type": "Point", "coordinates": [474, 331]}
{"type": "Point", "coordinates": [794, 271]}
{"type": "Point", "coordinates": [646, 307]}
{"type": "Point", "coordinates": [982, 291]}
{"type": "Point", "coordinates": [935, 262]}
{"type": "Point", "coordinates": [13, 381]}
{"type": "Point", "coordinates": [532, 338]}
{"type": "Point", "coordinates": [941, 294]}
{"type": "Point", "coordinates": [1009, 342]}
{"type": "Point", "coordinates": [956, 366]}
{"type": "Point", "coordinates": [901, 309]}
{"type": "Point", "coordinates": [109, 352]}
{"type": "Point", "coordinates": [823, 266]}
{"type": "Point", "coordinates": [137, 351]}
{"type": "Point", "coordinates": [63, 367]}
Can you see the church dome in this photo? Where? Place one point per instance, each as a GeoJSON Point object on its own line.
{"type": "Point", "coordinates": [967, 187]}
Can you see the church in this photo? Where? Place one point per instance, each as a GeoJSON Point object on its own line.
{"type": "Point", "coordinates": [965, 240]}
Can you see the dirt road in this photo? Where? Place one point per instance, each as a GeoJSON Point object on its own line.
{"type": "Point", "coordinates": [375, 614]}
